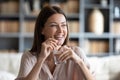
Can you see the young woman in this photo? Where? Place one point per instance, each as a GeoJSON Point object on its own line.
{"type": "Point", "coordinates": [51, 36]}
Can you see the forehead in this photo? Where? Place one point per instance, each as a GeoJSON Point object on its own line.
{"type": "Point", "coordinates": [57, 18]}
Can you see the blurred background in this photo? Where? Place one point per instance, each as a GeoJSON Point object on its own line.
{"type": "Point", "coordinates": [94, 26]}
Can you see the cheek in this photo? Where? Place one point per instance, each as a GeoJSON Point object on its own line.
{"type": "Point", "coordinates": [49, 33]}
{"type": "Point", "coordinates": [66, 32]}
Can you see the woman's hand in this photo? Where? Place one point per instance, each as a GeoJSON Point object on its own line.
{"type": "Point", "coordinates": [68, 53]}
{"type": "Point", "coordinates": [47, 47]}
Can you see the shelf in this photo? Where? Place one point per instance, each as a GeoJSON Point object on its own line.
{"type": "Point", "coordinates": [98, 54]}
{"type": "Point", "coordinates": [93, 35]}
{"type": "Point", "coordinates": [116, 19]}
{"type": "Point", "coordinates": [97, 2]}
{"type": "Point", "coordinates": [30, 17]}
{"type": "Point", "coordinates": [9, 35]}
{"type": "Point", "coordinates": [28, 43]}
{"type": "Point", "coordinates": [27, 35]}
{"type": "Point", "coordinates": [78, 16]}
{"type": "Point", "coordinates": [96, 6]}
{"type": "Point", "coordinates": [9, 43]}
{"type": "Point", "coordinates": [9, 17]}
{"type": "Point", "coordinates": [74, 35]}
{"type": "Point", "coordinates": [116, 36]}
{"type": "Point", "coordinates": [30, 35]}
{"type": "Point", "coordinates": [74, 16]}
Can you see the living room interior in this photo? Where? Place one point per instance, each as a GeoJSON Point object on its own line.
{"type": "Point", "coordinates": [94, 26]}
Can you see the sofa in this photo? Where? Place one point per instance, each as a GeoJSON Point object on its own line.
{"type": "Point", "coordinates": [106, 68]}
{"type": "Point", "coordinates": [9, 65]}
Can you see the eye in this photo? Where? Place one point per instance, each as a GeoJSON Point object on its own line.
{"type": "Point", "coordinates": [64, 25]}
{"type": "Point", "coordinates": [53, 25]}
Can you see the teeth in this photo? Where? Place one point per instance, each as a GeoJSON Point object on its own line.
{"type": "Point", "coordinates": [58, 37]}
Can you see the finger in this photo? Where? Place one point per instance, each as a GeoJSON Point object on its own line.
{"type": "Point", "coordinates": [64, 48]}
{"type": "Point", "coordinates": [63, 55]}
{"type": "Point", "coordinates": [51, 39]}
{"type": "Point", "coordinates": [66, 58]}
{"type": "Point", "coordinates": [53, 44]}
{"type": "Point", "coordinates": [49, 48]}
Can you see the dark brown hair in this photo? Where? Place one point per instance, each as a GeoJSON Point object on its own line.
{"type": "Point", "coordinates": [44, 14]}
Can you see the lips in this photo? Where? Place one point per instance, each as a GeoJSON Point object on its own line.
{"type": "Point", "coordinates": [58, 38]}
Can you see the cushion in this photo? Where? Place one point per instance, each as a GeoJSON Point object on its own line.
{"type": "Point", "coordinates": [6, 75]}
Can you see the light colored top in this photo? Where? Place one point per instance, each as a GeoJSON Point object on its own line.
{"type": "Point", "coordinates": [63, 71]}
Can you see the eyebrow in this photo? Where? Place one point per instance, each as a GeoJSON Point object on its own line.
{"type": "Point", "coordinates": [56, 23]}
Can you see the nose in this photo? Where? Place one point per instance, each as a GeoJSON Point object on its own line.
{"type": "Point", "coordinates": [59, 29]}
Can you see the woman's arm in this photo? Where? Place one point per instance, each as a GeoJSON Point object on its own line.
{"type": "Point", "coordinates": [86, 72]}
{"type": "Point", "coordinates": [77, 55]}
{"type": "Point", "coordinates": [34, 73]}
{"type": "Point", "coordinates": [30, 67]}
{"type": "Point", "coordinates": [82, 62]}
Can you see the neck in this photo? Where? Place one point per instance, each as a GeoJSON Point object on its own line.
{"type": "Point", "coordinates": [50, 63]}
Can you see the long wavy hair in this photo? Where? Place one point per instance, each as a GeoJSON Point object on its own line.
{"type": "Point", "coordinates": [43, 16]}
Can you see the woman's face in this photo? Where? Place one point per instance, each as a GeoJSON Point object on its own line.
{"type": "Point", "coordinates": [56, 27]}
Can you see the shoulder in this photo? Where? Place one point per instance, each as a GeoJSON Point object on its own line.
{"type": "Point", "coordinates": [27, 62]}
{"type": "Point", "coordinates": [28, 56]}
{"type": "Point", "coordinates": [76, 48]}
{"type": "Point", "coordinates": [79, 51]}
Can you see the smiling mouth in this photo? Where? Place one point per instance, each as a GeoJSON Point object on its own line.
{"type": "Point", "coordinates": [58, 38]}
